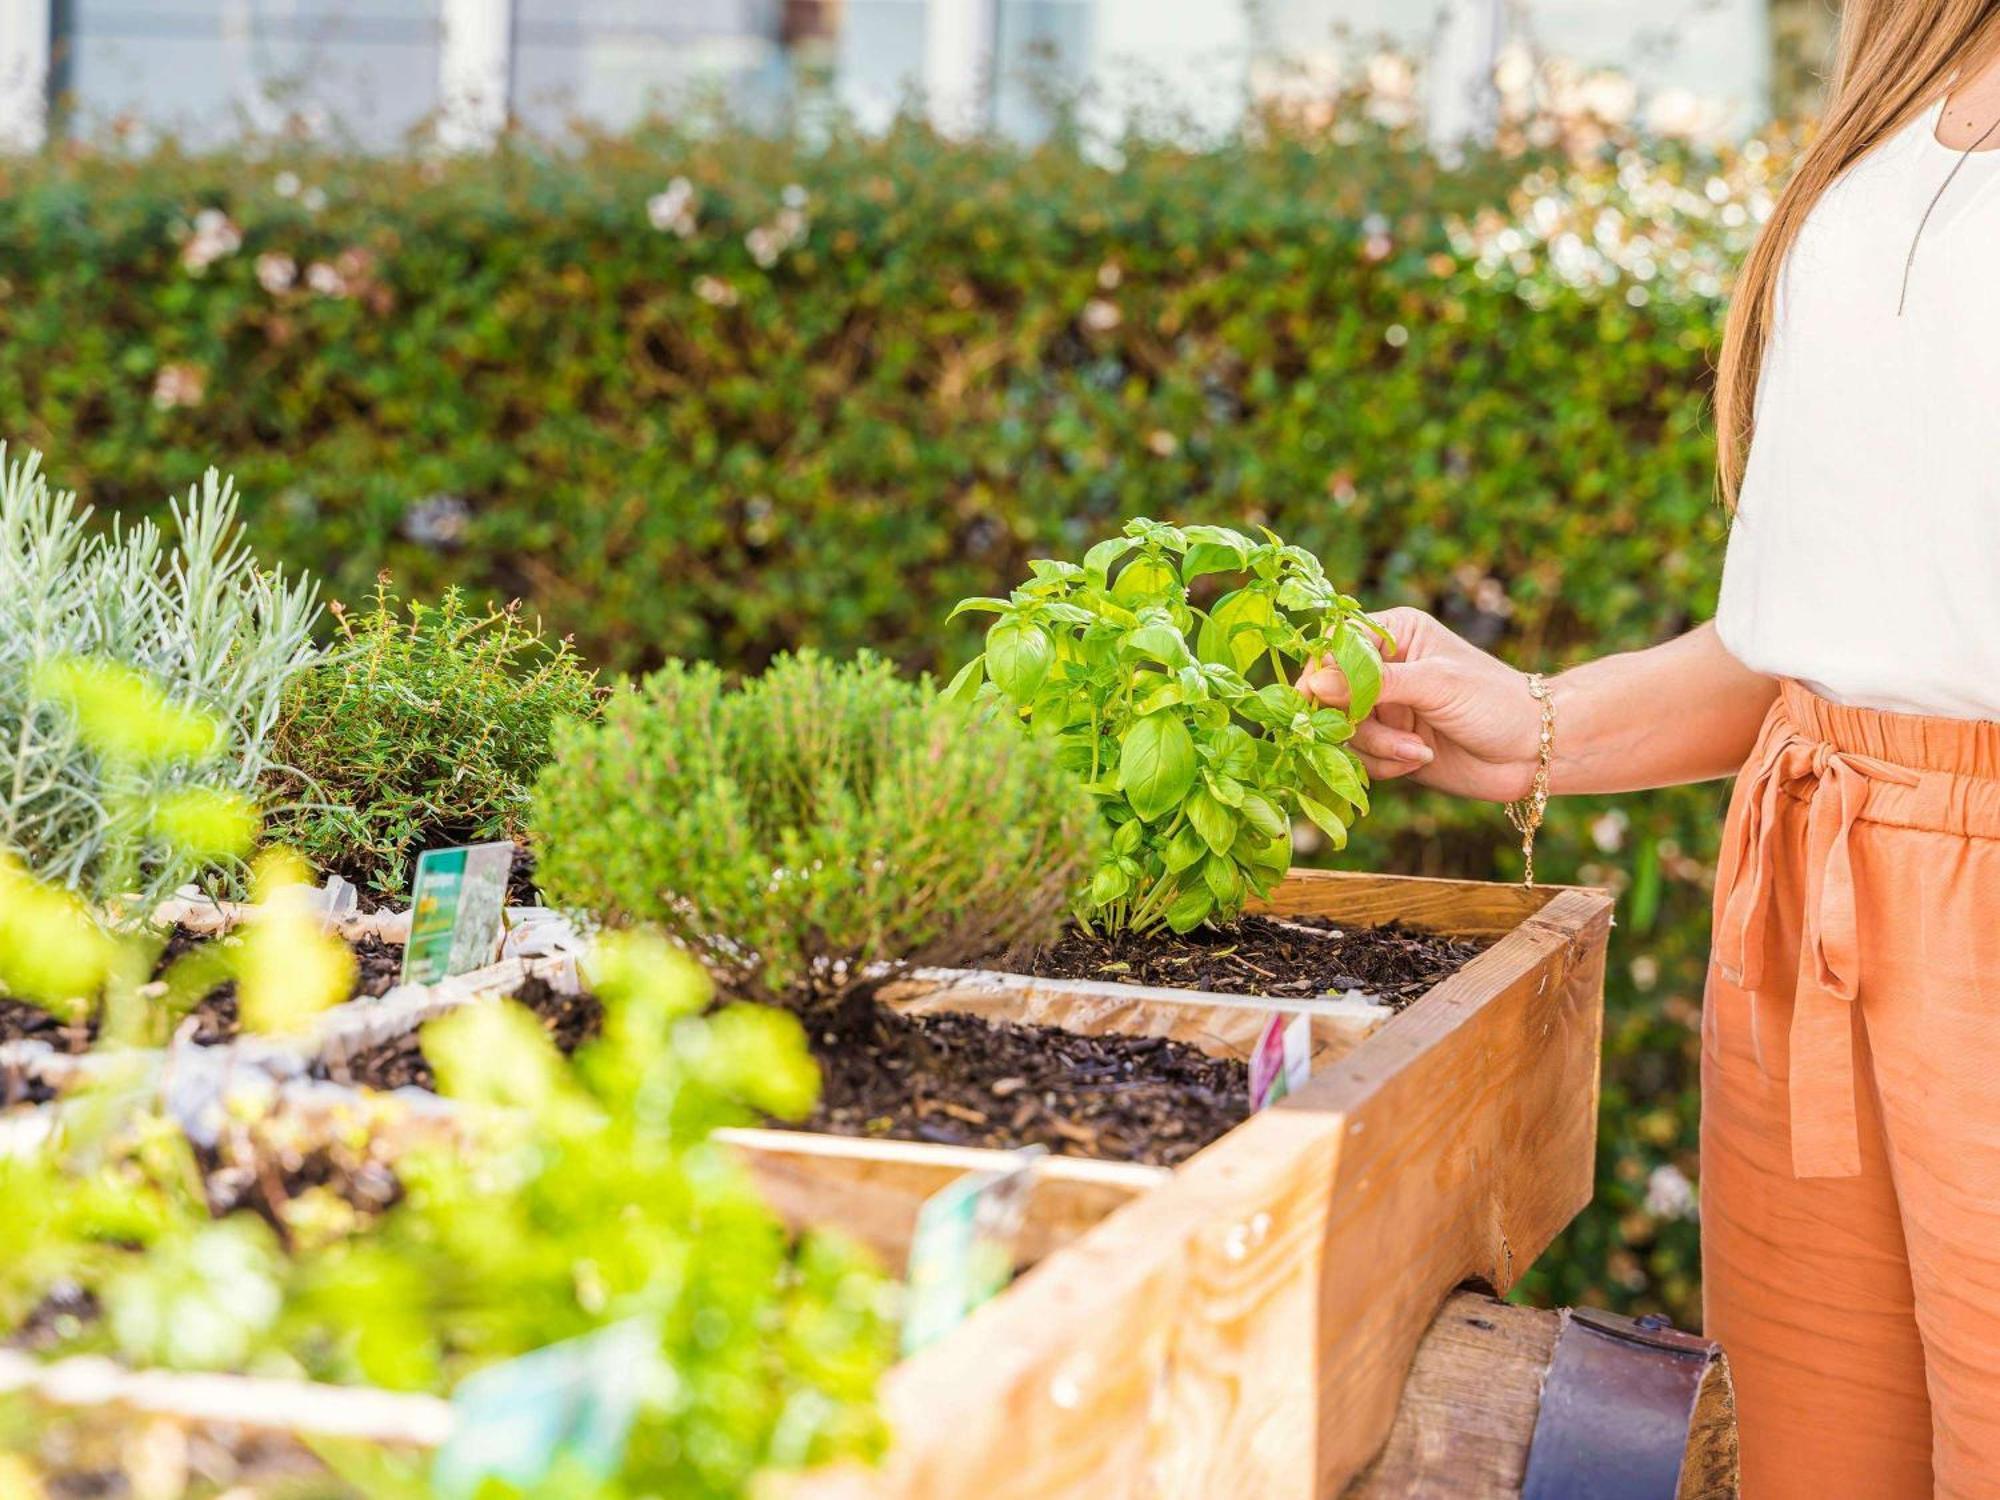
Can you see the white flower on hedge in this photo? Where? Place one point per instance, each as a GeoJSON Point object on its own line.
{"type": "Point", "coordinates": [674, 210]}
{"type": "Point", "coordinates": [1669, 1195]}
{"type": "Point", "coordinates": [215, 236]}
{"type": "Point", "coordinates": [313, 199]}
{"type": "Point", "coordinates": [179, 385]}
{"type": "Point", "coordinates": [276, 273]}
{"type": "Point", "coordinates": [1101, 315]}
{"type": "Point", "coordinates": [769, 241]}
{"type": "Point", "coordinates": [286, 185]}
{"type": "Point", "coordinates": [437, 521]}
{"type": "Point", "coordinates": [325, 280]}
{"type": "Point", "coordinates": [715, 291]}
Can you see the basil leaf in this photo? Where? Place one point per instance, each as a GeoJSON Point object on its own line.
{"type": "Point", "coordinates": [1190, 909]}
{"type": "Point", "coordinates": [1018, 656]}
{"type": "Point", "coordinates": [1215, 823]}
{"type": "Point", "coordinates": [1327, 820]}
{"type": "Point", "coordinates": [1363, 670]}
{"type": "Point", "coordinates": [1156, 765]}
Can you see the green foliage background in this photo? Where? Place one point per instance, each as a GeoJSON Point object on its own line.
{"type": "Point", "coordinates": [843, 383]}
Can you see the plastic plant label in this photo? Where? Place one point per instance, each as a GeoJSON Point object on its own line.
{"type": "Point", "coordinates": [1281, 1062]}
{"type": "Point", "coordinates": [456, 904]}
{"type": "Point", "coordinates": [570, 1404]}
{"type": "Point", "coordinates": [962, 1253]}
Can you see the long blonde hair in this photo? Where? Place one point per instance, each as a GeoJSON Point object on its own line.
{"type": "Point", "coordinates": [1895, 58]}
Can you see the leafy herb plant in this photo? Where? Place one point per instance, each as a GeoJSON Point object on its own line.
{"type": "Point", "coordinates": [586, 1196]}
{"type": "Point", "coordinates": [197, 618]}
{"type": "Point", "coordinates": [817, 819]}
{"type": "Point", "coordinates": [424, 726]}
{"type": "Point", "coordinates": [1155, 703]}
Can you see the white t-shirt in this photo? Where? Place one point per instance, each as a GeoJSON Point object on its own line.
{"type": "Point", "coordinates": [1865, 555]}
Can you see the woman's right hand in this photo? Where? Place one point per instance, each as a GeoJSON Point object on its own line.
{"type": "Point", "coordinates": [1450, 716]}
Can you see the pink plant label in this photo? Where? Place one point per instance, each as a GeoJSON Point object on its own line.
{"type": "Point", "coordinates": [1281, 1062]}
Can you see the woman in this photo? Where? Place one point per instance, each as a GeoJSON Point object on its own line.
{"type": "Point", "coordinates": [1850, 1189]}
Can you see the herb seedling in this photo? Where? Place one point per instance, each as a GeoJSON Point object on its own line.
{"type": "Point", "coordinates": [1155, 701]}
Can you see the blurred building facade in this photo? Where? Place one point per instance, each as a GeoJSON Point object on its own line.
{"type": "Point", "coordinates": [372, 70]}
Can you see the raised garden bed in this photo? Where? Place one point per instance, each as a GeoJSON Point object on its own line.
{"type": "Point", "coordinates": [1243, 1322]}
{"type": "Point", "coordinates": [1244, 1325]}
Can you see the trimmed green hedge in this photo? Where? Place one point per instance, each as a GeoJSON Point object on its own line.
{"type": "Point", "coordinates": [827, 389]}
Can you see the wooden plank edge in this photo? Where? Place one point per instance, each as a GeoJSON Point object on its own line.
{"type": "Point", "coordinates": [1491, 1184]}
{"type": "Point", "coordinates": [873, 1190]}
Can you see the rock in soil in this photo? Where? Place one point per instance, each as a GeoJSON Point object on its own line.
{"type": "Point", "coordinates": [399, 1061]}
{"type": "Point", "coordinates": [1293, 957]}
{"type": "Point", "coordinates": [962, 1081]}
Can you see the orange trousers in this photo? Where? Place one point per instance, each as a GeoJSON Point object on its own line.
{"type": "Point", "coordinates": [1850, 1138]}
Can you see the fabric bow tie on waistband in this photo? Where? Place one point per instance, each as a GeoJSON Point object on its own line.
{"type": "Point", "coordinates": [1826, 1136]}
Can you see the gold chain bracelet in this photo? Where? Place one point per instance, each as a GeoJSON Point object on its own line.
{"type": "Point", "coordinates": [1526, 813]}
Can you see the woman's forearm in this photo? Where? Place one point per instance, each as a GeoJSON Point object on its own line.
{"type": "Point", "coordinates": [1683, 711]}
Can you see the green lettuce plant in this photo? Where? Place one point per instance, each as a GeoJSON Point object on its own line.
{"type": "Point", "coordinates": [1153, 702]}
{"type": "Point", "coordinates": [818, 819]}
{"type": "Point", "coordinates": [198, 618]}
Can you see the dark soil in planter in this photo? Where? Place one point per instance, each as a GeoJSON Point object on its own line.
{"type": "Point", "coordinates": [951, 1079]}
{"type": "Point", "coordinates": [399, 1062]}
{"type": "Point", "coordinates": [960, 1080]}
{"type": "Point", "coordinates": [379, 967]}
{"type": "Point", "coordinates": [1294, 957]}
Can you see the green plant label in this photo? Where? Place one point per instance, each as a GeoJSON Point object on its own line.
{"type": "Point", "coordinates": [1281, 1062]}
{"type": "Point", "coordinates": [570, 1404]}
{"type": "Point", "coordinates": [962, 1253]}
{"type": "Point", "coordinates": [456, 903]}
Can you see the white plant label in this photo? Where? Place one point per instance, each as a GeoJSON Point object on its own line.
{"type": "Point", "coordinates": [1281, 1062]}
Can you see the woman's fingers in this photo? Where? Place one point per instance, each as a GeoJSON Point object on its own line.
{"type": "Point", "coordinates": [1386, 743]}
{"type": "Point", "coordinates": [1327, 684]}
{"type": "Point", "coordinates": [1385, 770]}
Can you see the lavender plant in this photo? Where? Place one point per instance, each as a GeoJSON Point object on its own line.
{"type": "Point", "coordinates": [194, 613]}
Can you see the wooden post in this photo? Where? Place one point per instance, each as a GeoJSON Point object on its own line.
{"type": "Point", "coordinates": [1473, 1403]}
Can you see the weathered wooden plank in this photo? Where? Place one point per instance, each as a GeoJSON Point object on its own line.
{"type": "Point", "coordinates": [872, 1190]}
{"type": "Point", "coordinates": [1468, 1409]}
{"type": "Point", "coordinates": [1469, 1142]}
{"type": "Point", "coordinates": [1166, 1353]}
{"type": "Point", "coordinates": [1467, 908]}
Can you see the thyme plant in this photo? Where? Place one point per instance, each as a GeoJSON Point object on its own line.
{"type": "Point", "coordinates": [818, 819]}
{"type": "Point", "coordinates": [425, 725]}
{"type": "Point", "coordinates": [194, 613]}
{"type": "Point", "coordinates": [1153, 702]}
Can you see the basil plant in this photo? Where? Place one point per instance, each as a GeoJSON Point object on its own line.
{"type": "Point", "coordinates": [1182, 717]}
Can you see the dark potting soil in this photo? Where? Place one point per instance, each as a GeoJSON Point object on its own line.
{"type": "Point", "coordinates": [1292, 957]}
{"type": "Point", "coordinates": [378, 965]}
{"type": "Point", "coordinates": [962, 1081]}
{"type": "Point", "coordinates": [399, 1061]}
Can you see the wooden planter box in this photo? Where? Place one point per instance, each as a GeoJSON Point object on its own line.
{"type": "Point", "coordinates": [1243, 1325]}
